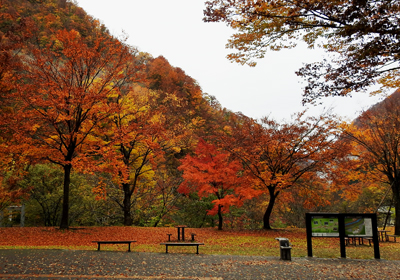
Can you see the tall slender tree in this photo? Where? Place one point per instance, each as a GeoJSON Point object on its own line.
{"type": "Point", "coordinates": [135, 136]}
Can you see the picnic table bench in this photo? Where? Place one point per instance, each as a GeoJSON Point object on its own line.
{"type": "Point", "coordinates": [369, 239]}
{"type": "Point", "coordinates": [391, 235]}
{"type": "Point", "coordinates": [197, 244]}
{"type": "Point", "coordinates": [353, 240]}
{"type": "Point", "coordinates": [115, 242]}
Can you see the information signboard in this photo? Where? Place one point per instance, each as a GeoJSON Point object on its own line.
{"type": "Point", "coordinates": [342, 226]}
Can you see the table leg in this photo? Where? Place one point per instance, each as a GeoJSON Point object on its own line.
{"type": "Point", "coordinates": [179, 234]}
{"type": "Point", "coordinates": [183, 234]}
{"type": "Point", "coordinates": [129, 247]}
{"type": "Point", "coordinates": [98, 246]}
{"type": "Point", "coordinates": [383, 236]}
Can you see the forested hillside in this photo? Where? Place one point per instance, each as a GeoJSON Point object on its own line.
{"type": "Point", "coordinates": [94, 132]}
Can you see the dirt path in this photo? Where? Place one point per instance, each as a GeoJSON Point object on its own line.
{"type": "Point", "coordinates": [65, 264]}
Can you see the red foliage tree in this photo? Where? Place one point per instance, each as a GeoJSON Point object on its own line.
{"type": "Point", "coordinates": [213, 172]}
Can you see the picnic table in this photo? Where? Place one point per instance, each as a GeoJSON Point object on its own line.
{"type": "Point", "coordinates": [181, 232]}
{"type": "Point", "coordinates": [181, 239]}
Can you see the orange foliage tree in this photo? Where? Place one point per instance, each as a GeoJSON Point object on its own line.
{"type": "Point", "coordinates": [363, 34]}
{"type": "Point", "coordinates": [277, 155]}
{"type": "Point", "coordinates": [14, 33]}
{"type": "Point", "coordinates": [64, 91]}
{"type": "Point", "coordinates": [377, 136]}
{"type": "Point", "coordinates": [213, 172]}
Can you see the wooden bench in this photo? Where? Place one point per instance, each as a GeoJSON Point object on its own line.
{"type": "Point", "coordinates": [352, 240]}
{"type": "Point", "coordinates": [181, 244]}
{"type": "Point", "coordinates": [369, 239]}
{"type": "Point", "coordinates": [391, 235]}
{"type": "Point", "coordinates": [115, 242]}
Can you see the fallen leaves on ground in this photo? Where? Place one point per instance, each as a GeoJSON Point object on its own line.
{"type": "Point", "coordinates": [227, 242]}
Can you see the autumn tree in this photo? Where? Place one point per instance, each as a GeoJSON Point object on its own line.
{"type": "Point", "coordinates": [377, 134]}
{"type": "Point", "coordinates": [64, 91]}
{"type": "Point", "coordinates": [279, 156]}
{"type": "Point", "coordinates": [135, 139]}
{"type": "Point", "coordinates": [211, 172]}
{"type": "Point", "coordinates": [363, 35]}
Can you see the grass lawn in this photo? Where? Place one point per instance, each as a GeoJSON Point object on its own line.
{"type": "Point", "coordinates": [225, 242]}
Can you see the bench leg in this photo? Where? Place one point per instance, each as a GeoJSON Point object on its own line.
{"type": "Point", "coordinates": [98, 246]}
{"type": "Point", "coordinates": [197, 251]}
{"type": "Point", "coordinates": [129, 247]}
{"type": "Point", "coordinates": [166, 249]}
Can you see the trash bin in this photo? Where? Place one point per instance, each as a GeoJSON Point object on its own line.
{"type": "Point", "coordinates": [285, 248]}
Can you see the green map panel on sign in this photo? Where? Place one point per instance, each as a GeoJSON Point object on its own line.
{"type": "Point", "coordinates": [324, 226]}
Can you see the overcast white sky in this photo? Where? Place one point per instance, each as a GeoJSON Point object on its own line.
{"type": "Point", "coordinates": [175, 30]}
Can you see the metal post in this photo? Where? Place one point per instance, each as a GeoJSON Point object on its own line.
{"type": "Point", "coordinates": [309, 235]}
{"type": "Point", "coordinates": [342, 235]}
{"type": "Point", "coordinates": [375, 237]}
{"type": "Point", "coordinates": [22, 222]}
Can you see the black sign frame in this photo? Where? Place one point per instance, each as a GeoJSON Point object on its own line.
{"type": "Point", "coordinates": [342, 230]}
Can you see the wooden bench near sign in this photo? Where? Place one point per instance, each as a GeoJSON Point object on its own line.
{"type": "Point", "coordinates": [352, 240]}
{"type": "Point", "coordinates": [388, 236]}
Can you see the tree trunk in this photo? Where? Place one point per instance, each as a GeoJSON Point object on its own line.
{"type": "Point", "coordinates": [396, 200]}
{"type": "Point", "coordinates": [220, 218]}
{"type": "Point", "coordinates": [268, 212]}
{"type": "Point", "coordinates": [128, 221]}
{"type": "Point", "coordinates": [65, 207]}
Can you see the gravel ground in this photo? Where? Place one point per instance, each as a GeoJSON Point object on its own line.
{"type": "Point", "coordinates": [70, 264]}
